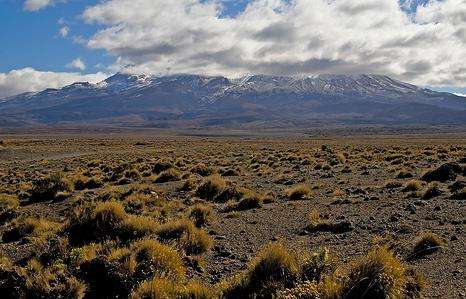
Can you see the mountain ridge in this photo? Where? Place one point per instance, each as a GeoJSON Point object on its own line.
{"type": "Point", "coordinates": [187, 100]}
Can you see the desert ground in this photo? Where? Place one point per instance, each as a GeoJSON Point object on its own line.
{"type": "Point", "coordinates": [145, 216]}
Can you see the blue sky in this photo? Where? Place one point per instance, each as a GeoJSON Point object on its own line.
{"type": "Point", "coordinates": [34, 40]}
{"type": "Point", "coordinates": [98, 39]}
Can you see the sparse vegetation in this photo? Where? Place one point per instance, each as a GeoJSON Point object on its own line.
{"type": "Point", "coordinates": [299, 192]}
{"type": "Point", "coordinates": [426, 243]}
{"type": "Point", "coordinates": [144, 219]}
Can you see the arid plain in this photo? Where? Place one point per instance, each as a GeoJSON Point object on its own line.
{"type": "Point", "coordinates": [139, 215]}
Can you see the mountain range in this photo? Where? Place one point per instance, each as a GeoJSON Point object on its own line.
{"type": "Point", "coordinates": [191, 101]}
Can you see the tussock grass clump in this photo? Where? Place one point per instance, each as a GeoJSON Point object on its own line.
{"type": "Point", "coordinates": [164, 288]}
{"type": "Point", "coordinates": [189, 184]}
{"type": "Point", "coordinates": [159, 259]}
{"type": "Point", "coordinates": [298, 192]}
{"type": "Point", "coordinates": [426, 243]}
{"type": "Point", "coordinates": [318, 224]}
{"type": "Point", "coordinates": [30, 228]}
{"type": "Point", "coordinates": [201, 214]}
{"type": "Point", "coordinates": [44, 189]}
{"type": "Point", "coordinates": [250, 200]}
{"type": "Point", "coordinates": [190, 238]}
{"type": "Point", "coordinates": [393, 184]}
{"type": "Point", "coordinates": [170, 175]}
{"type": "Point", "coordinates": [8, 201]}
{"type": "Point", "coordinates": [161, 166]}
{"type": "Point", "coordinates": [412, 186]}
{"type": "Point", "coordinates": [51, 282]}
{"type": "Point", "coordinates": [274, 269]}
{"type": "Point", "coordinates": [139, 201]}
{"type": "Point", "coordinates": [210, 187]}
{"type": "Point", "coordinates": [107, 220]}
{"type": "Point", "coordinates": [202, 170]}
{"type": "Point", "coordinates": [8, 207]}
{"type": "Point", "coordinates": [82, 182]}
{"type": "Point", "coordinates": [378, 275]}
{"type": "Point", "coordinates": [432, 190]}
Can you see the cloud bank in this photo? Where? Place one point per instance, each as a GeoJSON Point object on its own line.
{"type": "Point", "coordinates": [29, 79]}
{"type": "Point", "coordinates": [292, 37]}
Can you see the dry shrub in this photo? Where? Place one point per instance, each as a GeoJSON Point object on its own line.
{"type": "Point", "coordinates": [299, 192]}
{"type": "Point", "coordinates": [432, 190]}
{"type": "Point", "coordinates": [8, 207]}
{"type": "Point", "coordinates": [202, 170]}
{"type": "Point", "coordinates": [274, 269]}
{"type": "Point", "coordinates": [425, 244]}
{"type": "Point", "coordinates": [163, 288]}
{"type": "Point", "coordinates": [190, 238]}
{"type": "Point", "coordinates": [210, 187]}
{"type": "Point", "coordinates": [378, 275]}
{"type": "Point", "coordinates": [412, 186]}
{"type": "Point", "coordinates": [170, 175]}
{"type": "Point", "coordinates": [107, 220]}
{"type": "Point", "coordinates": [201, 214]}
{"type": "Point", "coordinates": [45, 189]}
{"type": "Point", "coordinates": [51, 282]}
{"type": "Point", "coordinates": [32, 229]}
{"type": "Point", "coordinates": [160, 260]}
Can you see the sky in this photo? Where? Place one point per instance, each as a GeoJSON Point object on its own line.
{"type": "Point", "coordinates": [52, 43]}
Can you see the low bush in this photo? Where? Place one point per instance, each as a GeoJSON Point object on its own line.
{"type": "Point", "coordinates": [170, 175]}
{"type": "Point", "coordinates": [426, 243]}
{"type": "Point", "coordinates": [378, 275]}
{"type": "Point", "coordinates": [46, 188]}
{"type": "Point", "coordinates": [201, 214]}
{"type": "Point", "coordinates": [30, 228]}
{"type": "Point", "coordinates": [190, 238]}
{"type": "Point", "coordinates": [299, 192]}
{"type": "Point", "coordinates": [210, 187]}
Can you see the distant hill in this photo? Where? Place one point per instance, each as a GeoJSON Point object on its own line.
{"type": "Point", "coordinates": [184, 101]}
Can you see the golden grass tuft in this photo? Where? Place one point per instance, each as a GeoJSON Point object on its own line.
{"type": "Point", "coordinates": [169, 175]}
{"type": "Point", "coordinates": [192, 239]}
{"type": "Point", "coordinates": [210, 187]}
{"type": "Point", "coordinates": [161, 260]}
{"type": "Point", "coordinates": [427, 243]}
{"type": "Point", "coordinates": [201, 214]}
{"type": "Point", "coordinates": [299, 192]}
{"type": "Point", "coordinates": [380, 274]}
{"type": "Point", "coordinates": [32, 229]}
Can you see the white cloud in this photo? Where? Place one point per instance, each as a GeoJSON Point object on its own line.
{"type": "Point", "coordinates": [29, 79]}
{"type": "Point", "coordinates": [286, 37]}
{"type": "Point", "coordinates": [77, 64]}
{"type": "Point", "coordinates": [64, 31]}
{"type": "Point", "coordinates": [35, 5]}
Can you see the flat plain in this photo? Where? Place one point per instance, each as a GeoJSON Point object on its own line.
{"type": "Point", "coordinates": [145, 216]}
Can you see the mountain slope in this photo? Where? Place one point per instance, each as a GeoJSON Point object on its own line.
{"type": "Point", "coordinates": [256, 100]}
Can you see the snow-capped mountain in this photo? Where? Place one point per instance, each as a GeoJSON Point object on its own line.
{"type": "Point", "coordinates": [195, 100]}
